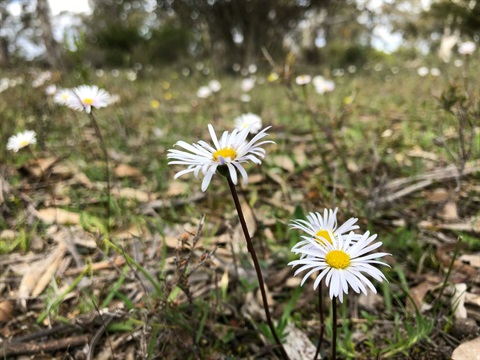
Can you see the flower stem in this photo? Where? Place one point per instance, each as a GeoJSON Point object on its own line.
{"type": "Point", "coordinates": [334, 328]}
{"type": "Point", "coordinates": [322, 321]}
{"type": "Point", "coordinates": [258, 270]}
{"type": "Point", "coordinates": [98, 133]}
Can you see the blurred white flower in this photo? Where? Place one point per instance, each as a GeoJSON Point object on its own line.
{"type": "Point", "coordinates": [303, 79]}
{"type": "Point", "coordinates": [62, 95]}
{"type": "Point", "coordinates": [41, 79]}
{"type": "Point", "coordinates": [245, 98]}
{"type": "Point", "coordinates": [252, 68]}
{"type": "Point", "coordinates": [4, 84]}
{"type": "Point", "coordinates": [114, 99]}
{"type": "Point", "coordinates": [254, 122]}
{"type": "Point", "coordinates": [215, 85]}
{"type": "Point", "coordinates": [466, 48]}
{"type": "Point", "coordinates": [324, 86]}
{"type": "Point", "coordinates": [422, 71]}
{"type": "Point", "coordinates": [158, 133]}
{"type": "Point", "coordinates": [51, 90]}
{"type": "Point", "coordinates": [435, 72]}
{"type": "Point", "coordinates": [247, 84]}
{"type": "Point", "coordinates": [21, 140]}
{"type": "Point", "coordinates": [204, 92]}
{"type": "Point", "coordinates": [318, 80]}
{"type": "Point", "coordinates": [338, 72]}
{"type": "Point", "coordinates": [458, 62]}
{"type": "Point", "coordinates": [131, 75]}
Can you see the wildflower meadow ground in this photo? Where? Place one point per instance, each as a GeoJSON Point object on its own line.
{"type": "Point", "coordinates": [170, 213]}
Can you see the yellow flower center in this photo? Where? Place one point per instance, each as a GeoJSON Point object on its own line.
{"type": "Point", "coordinates": [323, 235]}
{"type": "Point", "coordinates": [225, 153]}
{"type": "Point", "coordinates": [338, 259]}
{"type": "Point", "coordinates": [88, 101]}
{"type": "Point", "coordinates": [23, 143]}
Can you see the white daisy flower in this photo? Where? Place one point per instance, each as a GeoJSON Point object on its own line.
{"type": "Point", "coordinates": [21, 140]}
{"type": "Point", "coordinates": [435, 72]}
{"type": "Point", "coordinates": [318, 80]}
{"type": "Point", "coordinates": [215, 85]}
{"type": "Point", "coordinates": [466, 48]}
{"type": "Point", "coordinates": [343, 264]}
{"type": "Point", "coordinates": [323, 229]}
{"type": "Point", "coordinates": [324, 86]}
{"type": "Point", "coordinates": [231, 150]}
{"type": "Point", "coordinates": [245, 98]}
{"type": "Point", "coordinates": [248, 120]}
{"type": "Point", "coordinates": [86, 97]}
{"type": "Point", "coordinates": [204, 92]}
{"type": "Point", "coordinates": [303, 79]}
{"type": "Point", "coordinates": [51, 90]}
{"type": "Point", "coordinates": [62, 95]}
{"type": "Point", "coordinates": [423, 71]}
{"type": "Point", "coordinates": [247, 84]}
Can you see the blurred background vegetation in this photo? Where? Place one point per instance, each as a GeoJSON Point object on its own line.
{"type": "Point", "coordinates": [123, 33]}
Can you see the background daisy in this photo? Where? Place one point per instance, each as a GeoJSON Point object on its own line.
{"type": "Point", "coordinates": [322, 229]}
{"type": "Point", "coordinates": [21, 140]}
{"type": "Point", "coordinates": [252, 121]}
{"type": "Point", "coordinates": [87, 97]}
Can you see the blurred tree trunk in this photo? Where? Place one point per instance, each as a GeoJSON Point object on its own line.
{"type": "Point", "coordinates": [52, 51]}
{"type": "Point", "coordinates": [4, 55]}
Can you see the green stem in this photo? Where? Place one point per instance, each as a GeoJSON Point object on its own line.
{"type": "Point", "coordinates": [322, 321]}
{"type": "Point", "coordinates": [105, 155]}
{"type": "Point", "coordinates": [334, 328]}
{"type": "Point", "coordinates": [256, 264]}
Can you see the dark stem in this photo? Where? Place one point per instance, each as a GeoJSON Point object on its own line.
{"type": "Point", "coordinates": [258, 270]}
{"type": "Point", "coordinates": [334, 328]}
{"type": "Point", "coordinates": [105, 155]}
{"type": "Point", "coordinates": [322, 321]}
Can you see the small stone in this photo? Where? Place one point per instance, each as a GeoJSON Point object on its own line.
{"type": "Point", "coordinates": [465, 327]}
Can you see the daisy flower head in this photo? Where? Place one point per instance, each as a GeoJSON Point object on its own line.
{"type": "Point", "coordinates": [51, 90]}
{"type": "Point", "coordinates": [322, 229]}
{"type": "Point", "coordinates": [204, 92]}
{"type": "Point", "coordinates": [343, 264]}
{"type": "Point", "coordinates": [21, 140]}
{"type": "Point", "coordinates": [466, 48]}
{"type": "Point", "coordinates": [423, 71]}
{"type": "Point", "coordinates": [62, 96]}
{"type": "Point", "coordinates": [303, 79]}
{"type": "Point", "coordinates": [245, 98]}
{"type": "Point", "coordinates": [247, 84]}
{"type": "Point", "coordinates": [215, 85]}
{"type": "Point", "coordinates": [230, 151]}
{"type": "Point", "coordinates": [324, 86]}
{"type": "Point", "coordinates": [86, 97]}
{"type": "Point", "coordinates": [248, 120]}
